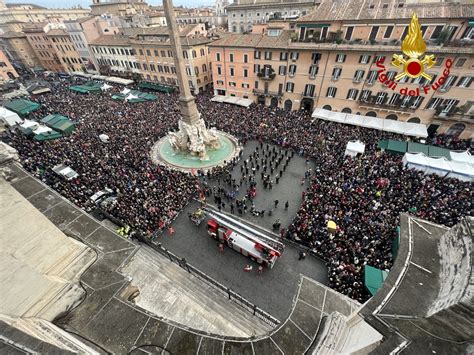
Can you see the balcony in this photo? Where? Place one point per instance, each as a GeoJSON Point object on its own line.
{"type": "Point", "coordinates": [267, 94]}
{"type": "Point", "coordinates": [262, 76]}
{"type": "Point", "coordinates": [372, 105]}
{"type": "Point", "coordinates": [463, 113]}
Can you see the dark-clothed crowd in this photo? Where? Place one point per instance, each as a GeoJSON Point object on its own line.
{"type": "Point", "coordinates": [364, 196]}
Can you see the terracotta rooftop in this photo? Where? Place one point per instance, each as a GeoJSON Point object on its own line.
{"type": "Point", "coordinates": [57, 32]}
{"type": "Point", "coordinates": [385, 9]}
{"type": "Point", "coordinates": [253, 40]}
{"type": "Point", "coordinates": [156, 31]}
{"type": "Point", "coordinates": [11, 34]}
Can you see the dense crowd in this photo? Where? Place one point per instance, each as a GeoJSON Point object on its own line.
{"type": "Point", "coordinates": [364, 195]}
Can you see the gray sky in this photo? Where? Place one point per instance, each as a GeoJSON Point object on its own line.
{"type": "Point", "coordinates": [86, 3]}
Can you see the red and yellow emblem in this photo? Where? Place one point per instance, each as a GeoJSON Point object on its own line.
{"type": "Point", "coordinates": [413, 47]}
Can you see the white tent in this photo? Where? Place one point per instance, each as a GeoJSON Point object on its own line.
{"type": "Point", "coordinates": [393, 126]}
{"type": "Point", "coordinates": [116, 80]}
{"type": "Point", "coordinates": [65, 171]}
{"type": "Point", "coordinates": [105, 87]}
{"type": "Point", "coordinates": [372, 122]}
{"type": "Point", "coordinates": [234, 100]}
{"type": "Point", "coordinates": [439, 166]}
{"type": "Point", "coordinates": [463, 157]}
{"type": "Point", "coordinates": [9, 118]}
{"type": "Point", "coordinates": [30, 124]}
{"type": "Point", "coordinates": [125, 91]}
{"type": "Point", "coordinates": [104, 138]}
{"type": "Point", "coordinates": [99, 77]}
{"type": "Point", "coordinates": [421, 162]}
{"type": "Point", "coordinates": [354, 147]}
{"type": "Point", "coordinates": [131, 97]}
{"type": "Point", "coordinates": [407, 128]}
{"type": "Point", "coordinates": [42, 129]}
{"type": "Point", "coordinates": [461, 171]}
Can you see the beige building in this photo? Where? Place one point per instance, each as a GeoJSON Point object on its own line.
{"type": "Point", "coordinates": [153, 51]}
{"type": "Point", "coordinates": [65, 50]}
{"type": "Point", "coordinates": [18, 49]}
{"type": "Point", "coordinates": [43, 48]}
{"type": "Point", "coordinates": [28, 13]}
{"type": "Point", "coordinates": [329, 61]}
{"type": "Point", "coordinates": [118, 7]}
{"type": "Point", "coordinates": [7, 71]}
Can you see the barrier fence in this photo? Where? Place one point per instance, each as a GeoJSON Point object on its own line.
{"type": "Point", "coordinates": [225, 291]}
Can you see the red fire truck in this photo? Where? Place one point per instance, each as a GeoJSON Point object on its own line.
{"type": "Point", "coordinates": [245, 239]}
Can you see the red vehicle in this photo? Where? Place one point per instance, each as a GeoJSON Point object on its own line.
{"type": "Point", "coordinates": [242, 238]}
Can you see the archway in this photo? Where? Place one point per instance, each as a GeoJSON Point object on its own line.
{"type": "Point", "coordinates": [358, 113]}
{"type": "Point", "coordinates": [371, 114]}
{"type": "Point", "coordinates": [392, 117]}
{"type": "Point", "coordinates": [261, 100]}
{"type": "Point", "coordinates": [346, 110]}
{"type": "Point", "coordinates": [414, 120]}
{"type": "Point", "coordinates": [307, 104]}
{"type": "Point", "coordinates": [456, 129]}
{"type": "Point", "coordinates": [274, 102]}
{"type": "Point", "coordinates": [288, 105]}
{"type": "Point", "coordinates": [327, 107]}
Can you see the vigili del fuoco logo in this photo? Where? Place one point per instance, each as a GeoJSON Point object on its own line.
{"type": "Point", "coordinates": [414, 63]}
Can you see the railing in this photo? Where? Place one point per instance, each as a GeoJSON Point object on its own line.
{"type": "Point", "coordinates": [267, 94]}
{"type": "Point", "coordinates": [225, 291]}
{"type": "Point", "coordinates": [372, 103]}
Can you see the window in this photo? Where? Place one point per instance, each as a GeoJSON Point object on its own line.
{"type": "Point", "coordinates": [331, 91]}
{"type": "Point", "coordinates": [231, 71]}
{"type": "Point", "coordinates": [148, 53]}
{"type": "Point", "coordinates": [282, 70]}
{"type": "Point", "coordinates": [219, 70]}
{"type": "Point", "coordinates": [185, 55]}
{"type": "Point", "coordinates": [449, 105]}
{"type": "Point", "coordinates": [292, 70]}
{"type": "Point", "coordinates": [309, 90]}
{"type": "Point", "coordinates": [423, 30]}
{"type": "Point", "coordinates": [283, 56]}
{"type": "Point", "coordinates": [349, 31]}
{"type": "Point", "coordinates": [439, 61]}
{"type": "Point", "coordinates": [358, 76]}
{"type": "Point", "coordinates": [373, 33]}
{"type": "Point", "coordinates": [340, 58]}
{"type": "Point", "coordinates": [204, 68]}
{"type": "Point", "coordinates": [393, 99]}
{"type": "Point", "coordinates": [460, 62]}
{"type": "Point", "coordinates": [294, 56]}
{"type": "Point", "coordinates": [245, 85]}
{"type": "Point", "coordinates": [188, 71]}
{"type": "Point", "coordinates": [352, 94]}
{"type": "Point", "coordinates": [315, 57]}
{"type": "Point", "coordinates": [196, 71]}
{"type": "Point", "coordinates": [448, 83]}
{"type": "Point", "coordinates": [417, 102]}
{"type": "Point", "coordinates": [434, 103]}
{"type": "Point", "coordinates": [268, 55]}
{"type": "Point", "coordinates": [257, 54]}
{"type": "Point", "coordinates": [437, 32]}
{"type": "Point", "coordinates": [379, 58]}
{"type": "Point", "coordinates": [381, 98]}
{"type": "Point", "coordinates": [156, 53]}
{"type": "Point", "coordinates": [220, 82]}
{"type": "Point", "coordinates": [290, 87]}
{"type": "Point", "coordinates": [246, 58]}
{"type": "Point", "coordinates": [465, 82]}
{"type": "Point", "coordinates": [218, 57]}
{"type": "Point", "coordinates": [388, 32]}
{"type": "Point", "coordinates": [233, 84]}
{"type": "Point", "coordinates": [371, 77]}
{"type": "Point", "coordinates": [163, 54]}
{"type": "Point", "coordinates": [246, 73]}
{"type": "Point", "coordinates": [336, 73]}
{"type": "Point", "coordinates": [364, 59]}
{"type": "Point", "coordinates": [365, 95]}
{"type": "Point", "coordinates": [256, 68]}
{"type": "Point", "coordinates": [203, 52]}
{"type": "Point", "coordinates": [313, 71]}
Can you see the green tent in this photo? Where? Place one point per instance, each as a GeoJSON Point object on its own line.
{"type": "Point", "coordinates": [47, 136]}
{"type": "Point", "coordinates": [78, 89]}
{"type": "Point", "coordinates": [59, 123]}
{"type": "Point", "coordinates": [397, 147]}
{"type": "Point", "coordinates": [374, 278]}
{"type": "Point", "coordinates": [437, 152]}
{"type": "Point", "coordinates": [21, 106]}
{"type": "Point", "coordinates": [90, 86]}
{"type": "Point", "coordinates": [383, 144]}
{"type": "Point", "coordinates": [156, 87]}
{"type": "Point", "coordinates": [417, 148]}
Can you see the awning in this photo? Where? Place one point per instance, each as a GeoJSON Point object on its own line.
{"type": "Point", "coordinates": [156, 87]}
{"type": "Point", "coordinates": [117, 80]}
{"type": "Point", "coordinates": [398, 147]}
{"type": "Point", "coordinates": [22, 107]}
{"type": "Point", "coordinates": [374, 278]}
{"type": "Point", "coordinates": [59, 123]}
{"type": "Point", "coordinates": [8, 117]}
{"type": "Point", "coordinates": [437, 152]}
{"type": "Point", "coordinates": [232, 100]}
{"type": "Point", "coordinates": [417, 148]}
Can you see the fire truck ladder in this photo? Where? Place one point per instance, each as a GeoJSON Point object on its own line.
{"type": "Point", "coordinates": [248, 232]}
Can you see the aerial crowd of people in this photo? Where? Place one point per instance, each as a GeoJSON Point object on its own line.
{"type": "Point", "coordinates": [364, 196]}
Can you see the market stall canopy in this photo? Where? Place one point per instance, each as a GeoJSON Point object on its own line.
{"type": "Point", "coordinates": [59, 123]}
{"type": "Point", "coordinates": [374, 278]}
{"type": "Point", "coordinates": [414, 147]}
{"type": "Point", "coordinates": [398, 147]}
{"type": "Point", "coordinates": [156, 87]}
{"type": "Point", "coordinates": [117, 80]}
{"type": "Point", "coordinates": [464, 157]}
{"type": "Point", "coordinates": [65, 171]}
{"type": "Point", "coordinates": [440, 166]}
{"type": "Point", "coordinates": [406, 128]}
{"type": "Point", "coordinates": [90, 86]}
{"type": "Point", "coordinates": [354, 147]}
{"type": "Point", "coordinates": [106, 87]}
{"type": "Point", "coordinates": [234, 100]}
{"type": "Point", "coordinates": [37, 89]}
{"type": "Point", "coordinates": [134, 96]}
{"type": "Point", "coordinates": [9, 118]}
{"type": "Point", "coordinates": [22, 106]}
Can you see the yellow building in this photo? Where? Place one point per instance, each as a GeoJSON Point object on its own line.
{"type": "Point", "coordinates": [28, 13]}
{"type": "Point", "coordinates": [7, 71]}
{"type": "Point", "coordinates": [18, 49]}
{"type": "Point", "coordinates": [329, 61]}
{"type": "Point", "coordinates": [65, 50]}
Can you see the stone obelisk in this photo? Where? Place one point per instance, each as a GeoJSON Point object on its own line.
{"type": "Point", "coordinates": [192, 136]}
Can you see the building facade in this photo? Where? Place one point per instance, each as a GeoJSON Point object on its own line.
{"type": "Point", "coordinates": [43, 48]}
{"type": "Point", "coordinates": [7, 71]}
{"type": "Point", "coordinates": [19, 51]}
{"type": "Point", "coordinates": [243, 14]}
{"type": "Point", "coordinates": [65, 50]}
{"type": "Point", "coordinates": [28, 13]}
{"type": "Point", "coordinates": [118, 7]}
{"type": "Point", "coordinates": [336, 58]}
